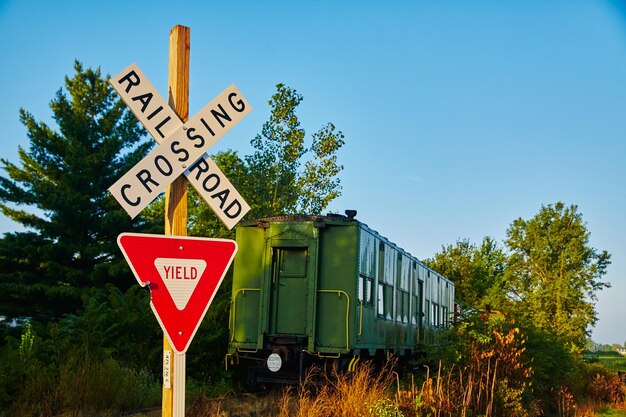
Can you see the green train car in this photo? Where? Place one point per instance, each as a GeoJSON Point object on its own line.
{"type": "Point", "coordinates": [317, 288]}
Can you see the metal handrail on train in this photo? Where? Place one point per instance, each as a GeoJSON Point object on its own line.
{"type": "Point", "coordinates": [339, 293]}
{"type": "Point", "coordinates": [231, 323]}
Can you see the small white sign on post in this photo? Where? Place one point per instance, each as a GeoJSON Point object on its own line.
{"type": "Point", "coordinates": [167, 368]}
{"type": "Point", "coordinates": [181, 148]}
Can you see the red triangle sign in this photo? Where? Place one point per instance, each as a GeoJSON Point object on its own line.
{"type": "Point", "coordinates": [183, 274]}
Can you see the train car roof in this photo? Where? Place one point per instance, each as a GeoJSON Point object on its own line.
{"type": "Point", "coordinates": [334, 219]}
{"type": "Point", "coordinates": [328, 218]}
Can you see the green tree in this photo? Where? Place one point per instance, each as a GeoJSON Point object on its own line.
{"type": "Point", "coordinates": [58, 192]}
{"type": "Point", "coordinates": [554, 274]}
{"type": "Point", "coordinates": [282, 175]}
{"type": "Point", "coordinates": [278, 183]}
{"type": "Point", "coordinates": [477, 271]}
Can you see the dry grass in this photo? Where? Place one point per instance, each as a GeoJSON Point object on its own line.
{"type": "Point", "coordinates": [599, 409]}
{"type": "Point", "coordinates": [369, 392]}
{"type": "Point", "coordinates": [321, 395]}
{"type": "Point", "coordinates": [352, 394]}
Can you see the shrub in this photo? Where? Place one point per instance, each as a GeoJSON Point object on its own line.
{"type": "Point", "coordinates": [603, 384]}
{"type": "Point", "coordinates": [70, 366]}
{"type": "Point", "coordinates": [486, 371]}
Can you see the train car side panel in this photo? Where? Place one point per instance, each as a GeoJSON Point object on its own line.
{"type": "Point", "coordinates": [246, 306]}
{"type": "Point", "coordinates": [336, 288]}
{"type": "Point", "coordinates": [367, 337]}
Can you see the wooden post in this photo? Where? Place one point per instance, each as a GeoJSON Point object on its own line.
{"type": "Point", "coordinates": [176, 208]}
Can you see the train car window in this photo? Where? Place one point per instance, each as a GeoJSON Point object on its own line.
{"type": "Point", "coordinates": [389, 266]}
{"type": "Point", "coordinates": [436, 289]}
{"type": "Point", "coordinates": [403, 306]}
{"type": "Point", "coordinates": [360, 290]}
{"type": "Point", "coordinates": [419, 312]}
{"type": "Point", "coordinates": [367, 255]}
{"type": "Point", "coordinates": [405, 312]}
{"type": "Point", "coordinates": [385, 301]}
{"type": "Point", "coordinates": [293, 263]}
{"type": "Point", "coordinates": [381, 300]}
{"type": "Point", "coordinates": [381, 263]}
{"type": "Point", "coordinates": [398, 270]}
{"type": "Point", "coordinates": [405, 273]}
{"type": "Point", "coordinates": [364, 291]}
{"type": "Point", "coordinates": [388, 292]}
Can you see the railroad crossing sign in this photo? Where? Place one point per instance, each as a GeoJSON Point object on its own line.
{"type": "Point", "coordinates": [181, 147]}
{"type": "Point", "coordinates": [183, 275]}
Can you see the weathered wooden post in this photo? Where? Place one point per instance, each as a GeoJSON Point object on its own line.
{"type": "Point", "coordinates": [176, 210]}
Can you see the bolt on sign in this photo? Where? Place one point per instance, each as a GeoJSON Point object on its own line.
{"type": "Point", "coordinates": [181, 148]}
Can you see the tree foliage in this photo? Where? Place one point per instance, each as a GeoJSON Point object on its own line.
{"type": "Point", "coordinates": [554, 273]}
{"type": "Point", "coordinates": [545, 283]}
{"type": "Point", "coordinates": [279, 184]}
{"type": "Point", "coordinates": [549, 278]}
{"type": "Point", "coordinates": [283, 175]}
{"type": "Point", "coordinates": [58, 192]}
{"type": "Point", "coordinates": [477, 271]}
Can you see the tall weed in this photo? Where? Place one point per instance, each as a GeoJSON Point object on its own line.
{"type": "Point", "coordinates": [359, 393]}
{"type": "Point", "coordinates": [483, 370]}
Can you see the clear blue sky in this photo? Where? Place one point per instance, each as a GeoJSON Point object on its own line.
{"type": "Point", "coordinates": [459, 116]}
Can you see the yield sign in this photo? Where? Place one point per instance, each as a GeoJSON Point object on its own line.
{"type": "Point", "coordinates": [183, 274]}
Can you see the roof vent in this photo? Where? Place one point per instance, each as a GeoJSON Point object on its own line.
{"type": "Point", "coordinates": [351, 214]}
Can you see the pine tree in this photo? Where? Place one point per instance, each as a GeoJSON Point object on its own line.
{"type": "Point", "coordinates": [58, 192]}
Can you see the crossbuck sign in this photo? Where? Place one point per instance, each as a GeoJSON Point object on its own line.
{"type": "Point", "coordinates": [181, 148]}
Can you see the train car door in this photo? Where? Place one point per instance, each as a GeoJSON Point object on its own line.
{"type": "Point", "coordinates": [288, 312]}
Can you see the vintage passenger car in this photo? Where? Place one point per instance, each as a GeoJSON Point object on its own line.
{"type": "Point", "coordinates": [318, 288]}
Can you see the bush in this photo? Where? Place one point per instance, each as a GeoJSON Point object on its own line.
{"type": "Point", "coordinates": [603, 384]}
{"type": "Point", "coordinates": [88, 386]}
{"type": "Point", "coordinates": [486, 369]}
{"type": "Point", "coordinates": [83, 364]}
